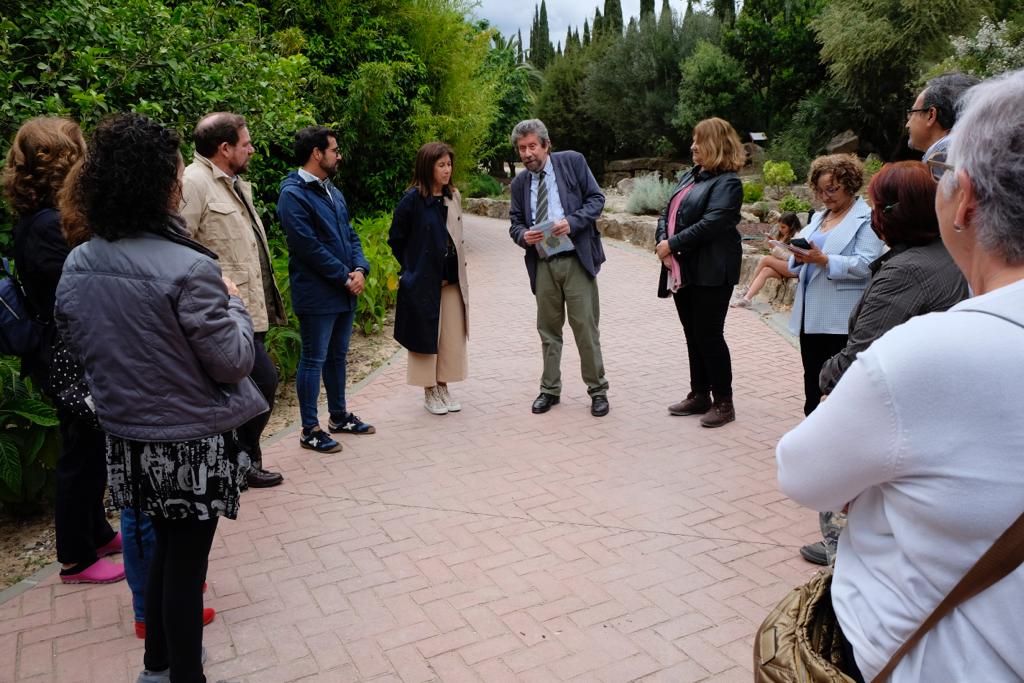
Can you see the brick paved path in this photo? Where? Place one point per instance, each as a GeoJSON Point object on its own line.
{"type": "Point", "coordinates": [493, 544]}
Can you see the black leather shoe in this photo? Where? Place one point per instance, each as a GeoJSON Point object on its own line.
{"type": "Point", "coordinates": [815, 553]}
{"type": "Point", "coordinates": [543, 403]}
{"type": "Point", "coordinates": [599, 406]}
{"type": "Point", "coordinates": [259, 478]}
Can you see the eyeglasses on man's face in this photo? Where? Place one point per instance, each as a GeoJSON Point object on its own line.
{"type": "Point", "coordinates": [919, 110]}
{"type": "Point", "coordinates": [938, 168]}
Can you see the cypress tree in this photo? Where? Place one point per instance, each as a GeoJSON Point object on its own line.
{"type": "Point", "coordinates": [666, 12]}
{"type": "Point", "coordinates": [519, 47]}
{"type": "Point", "coordinates": [646, 9]}
{"type": "Point", "coordinates": [586, 32]}
{"type": "Point", "coordinates": [534, 32]}
{"type": "Point", "coordinates": [544, 38]}
{"type": "Point", "coordinates": [598, 25]}
{"type": "Point", "coordinates": [612, 18]}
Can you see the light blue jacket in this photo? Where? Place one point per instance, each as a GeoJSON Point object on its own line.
{"type": "Point", "coordinates": [823, 299]}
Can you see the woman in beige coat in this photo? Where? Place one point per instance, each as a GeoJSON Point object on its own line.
{"type": "Point", "coordinates": [431, 316]}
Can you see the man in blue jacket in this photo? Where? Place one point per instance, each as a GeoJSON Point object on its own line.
{"type": "Point", "coordinates": [559, 188]}
{"type": "Point", "coordinates": [327, 272]}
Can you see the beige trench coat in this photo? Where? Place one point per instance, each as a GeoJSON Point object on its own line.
{"type": "Point", "coordinates": [217, 218]}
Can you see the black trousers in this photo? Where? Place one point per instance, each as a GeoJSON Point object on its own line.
{"type": "Point", "coordinates": [702, 312]}
{"type": "Point", "coordinates": [264, 374]}
{"type": "Point", "coordinates": [174, 597]}
{"type": "Point", "coordinates": [815, 349]}
{"type": "Point", "coordinates": [79, 519]}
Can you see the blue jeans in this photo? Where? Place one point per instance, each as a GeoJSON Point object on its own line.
{"type": "Point", "coordinates": [324, 349]}
{"type": "Point", "coordinates": [137, 555]}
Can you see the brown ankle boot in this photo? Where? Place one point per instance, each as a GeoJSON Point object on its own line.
{"type": "Point", "coordinates": [695, 403]}
{"type": "Point", "coordinates": [721, 413]}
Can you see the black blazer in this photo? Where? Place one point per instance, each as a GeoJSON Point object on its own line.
{"type": "Point", "coordinates": [582, 202]}
{"type": "Point", "coordinates": [706, 242]}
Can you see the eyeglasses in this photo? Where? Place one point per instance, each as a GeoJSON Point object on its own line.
{"type": "Point", "coordinates": [828, 191]}
{"type": "Point", "coordinates": [911, 112]}
{"type": "Point", "coordinates": [939, 168]}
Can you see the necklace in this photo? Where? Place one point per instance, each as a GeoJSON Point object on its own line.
{"type": "Point", "coordinates": [834, 218]}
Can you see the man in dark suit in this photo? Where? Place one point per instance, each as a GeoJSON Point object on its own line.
{"type": "Point", "coordinates": [559, 187]}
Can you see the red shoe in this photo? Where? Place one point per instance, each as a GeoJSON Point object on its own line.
{"type": "Point", "coordinates": [111, 548]}
{"type": "Point", "coordinates": [140, 626]}
{"type": "Point", "coordinates": [100, 571]}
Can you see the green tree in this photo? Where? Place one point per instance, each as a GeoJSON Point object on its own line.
{"type": "Point", "coordinates": [646, 8]}
{"type": "Point", "coordinates": [713, 84]}
{"type": "Point", "coordinates": [780, 55]}
{"type": "Point", "coordinates": [724, 11]}
{"type": "Point", "coordinates": [642, 69]}
{"type": "Point", "coordinates": [567, 112]}
{"type": "Point", "coordinates": [666, 12]}
{"type": "Point", "coordinates": [515, 85]}
{"type": "Point", "coordinates": [876, 49]}
{"type": "Point", "coordinates": [612, 24]}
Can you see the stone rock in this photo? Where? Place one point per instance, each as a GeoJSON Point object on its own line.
{"type": "Point", "coordinates": [755, 154]}
{"type": "Point", "coordinates": [626, 185]}
{"type": "Point", "coordinates": [846, 142]}
{"type": "Point", "coordinates": [638, 230]}
{"type": "Point", "coordinates": [492, 208]}
{"type": "Point", "coordinates": [612, 178]}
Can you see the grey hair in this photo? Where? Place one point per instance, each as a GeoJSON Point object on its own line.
{"type": "Point", "coordinates": [944, 92]}
{"type": "Point", "coordinates": [987, 143]}
{"type": "Point", "coordinates": [524, 128]}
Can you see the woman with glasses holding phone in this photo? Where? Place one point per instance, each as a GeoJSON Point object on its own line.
{"type": "Point", "coordinates": [836, 268]}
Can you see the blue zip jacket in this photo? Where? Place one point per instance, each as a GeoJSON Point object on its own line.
{"type": "Point", "coordinates": [323, 248]}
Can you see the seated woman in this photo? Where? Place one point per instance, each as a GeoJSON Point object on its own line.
{"type": "Point", "coordinates": [922, 436]}
{"type": "Point", "coordinates": [775, 264]}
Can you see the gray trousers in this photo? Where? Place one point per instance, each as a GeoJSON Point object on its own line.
{"type": "Point", "coordinates": [563, 286]}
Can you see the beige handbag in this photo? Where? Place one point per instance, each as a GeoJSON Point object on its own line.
{"type": "Point", "coordinates": [800, 640]}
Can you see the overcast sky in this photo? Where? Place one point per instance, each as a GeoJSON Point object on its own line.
{"type": "Point", "coordinates": [508, 16]}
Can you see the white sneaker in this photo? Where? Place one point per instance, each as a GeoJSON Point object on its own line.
{"type": "Point", "coordinates": [740, 303]}
{"type": "Point", "coordinates": [453, 405]}
{"type": "Point", "coordinates": [433, 401]}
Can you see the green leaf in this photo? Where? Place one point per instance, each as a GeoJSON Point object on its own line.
{"type": "Point", "coordinates": [10, 463]}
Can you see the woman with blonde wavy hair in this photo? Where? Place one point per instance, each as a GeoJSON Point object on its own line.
{"type": "Point", "coordinates": [44, 151]}
{"type": "Point", "coordinates": [699, 248]}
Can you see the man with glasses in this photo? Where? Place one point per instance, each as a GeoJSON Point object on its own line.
{"type": "Point", "coordinates": [327, 271]}
{"type": "Point", "coordinates": [933, 115]}
{"type": "Point", "coordinates": [219, 213]}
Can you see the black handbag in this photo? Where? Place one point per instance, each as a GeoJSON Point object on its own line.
{"type": "Point", "coordinates": [21, 333]}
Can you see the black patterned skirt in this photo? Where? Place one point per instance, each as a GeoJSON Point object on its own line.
{"type": "Point", "coordinates": [197, 479]}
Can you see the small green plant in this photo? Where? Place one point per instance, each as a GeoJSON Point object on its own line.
{"type": "Point", "coordinates": [793, 203]}
{"type": "Point", "coordinates": [650, 195]}
{"type": "Point", "coordinates": [29, 443]}
{"type": "Point", "coordinates": [777, 175]}
{"type": "Point", "coordinates": [381, 290]}
{"type": "Point", "coordinates": [872, 165]}
{"type": "Point", "coordinates": [482, 185]}
{"type": "Point", "coordinates": [752, 192]}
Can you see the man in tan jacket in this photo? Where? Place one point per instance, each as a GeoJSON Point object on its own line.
{"type": "Point", "coordinates": [218, 210]}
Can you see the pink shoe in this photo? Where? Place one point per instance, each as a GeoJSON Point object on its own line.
{"type": "Point", "coordinates": [111, 548]}
{"type": "Point", "coordinates": [100, 571]}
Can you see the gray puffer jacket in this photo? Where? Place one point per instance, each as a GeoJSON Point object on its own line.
{"type": "Point", "coordinates": [166, 351]}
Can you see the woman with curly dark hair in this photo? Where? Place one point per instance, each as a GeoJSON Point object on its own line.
{"type": "Point", "coordinates": [833, 272]}
{"type": "Point", "coordinates": [45, 149]}
{"type": "Point", "coordinates": [167, 348]}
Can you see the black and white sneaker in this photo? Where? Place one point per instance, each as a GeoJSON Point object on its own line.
{"type": "Point", "coordinates": [317, 440]}
{"type": "Point", "coordinates": [349, 423]}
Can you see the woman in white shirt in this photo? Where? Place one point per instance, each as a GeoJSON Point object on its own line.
{"type": "Point", "coordinates": [923, 435]}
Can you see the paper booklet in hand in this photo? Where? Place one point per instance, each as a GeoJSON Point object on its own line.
{"type": "Point", "coordinates": [789, 247]}
{"type": "Point", "coordinates": [551, 244]}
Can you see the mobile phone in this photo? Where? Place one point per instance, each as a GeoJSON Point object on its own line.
{"type": "Point", "coordinates": [800, 243]}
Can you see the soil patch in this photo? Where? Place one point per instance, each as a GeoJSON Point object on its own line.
{"type": "Point", "coordinates": [28, 543]}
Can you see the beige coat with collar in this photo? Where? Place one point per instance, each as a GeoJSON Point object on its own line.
{"type": "Point", "coordinates": [217, 218]}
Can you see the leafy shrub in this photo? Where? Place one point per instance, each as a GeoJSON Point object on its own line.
{"type": "Point", "coordinates": [381, 290]}
{"type": "Point", "coordinates": [29, 444]}
{"type": "Point", "coordinates": [793, 203]}
{"type": "Point", "coordinates": [872, 165]}
{"type": "Point", "coordinates": [995, 48]}
{"type": "Point", "coordinates": [482, 185]}
{"type": "Point", "coordinates": [777, 175]}
{"type": "Point", "coordinates": [284, 342]}
{"type": "Point", "coordinates": [752, 192]}
{"type": "Point", "coordinates": [650, 195]}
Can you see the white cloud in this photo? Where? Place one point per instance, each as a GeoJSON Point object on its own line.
{"type": "Point", "coordinates": [508, 16]}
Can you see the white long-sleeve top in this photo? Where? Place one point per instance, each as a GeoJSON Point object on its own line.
{"type": "Point", "coordinates": [925, 435]}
